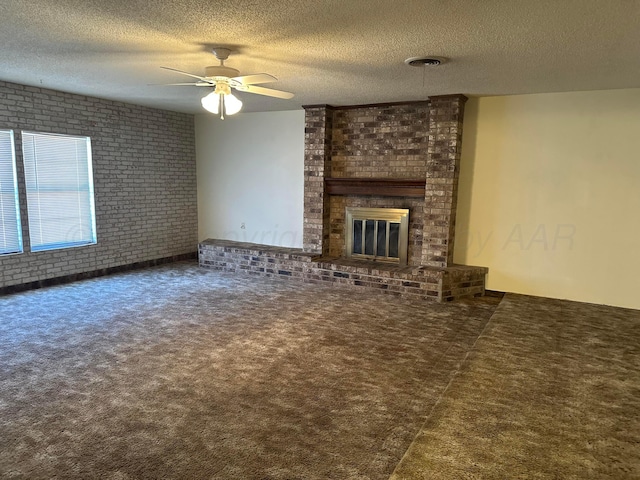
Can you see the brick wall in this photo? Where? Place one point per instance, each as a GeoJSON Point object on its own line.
{"type": "Point", "coordinates": [317, 165]}
{"type": "Point", "coordinates": [443, 170]}
{"type": "Point", "coordinates": [144, 178]}
{"type": "Point", "coordinates": [381, 141]}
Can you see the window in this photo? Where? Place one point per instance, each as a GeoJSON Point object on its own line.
{"type": "Point", "coordinates": [10, 232]}
{"type": "Point", "coordinates": [59, 184]}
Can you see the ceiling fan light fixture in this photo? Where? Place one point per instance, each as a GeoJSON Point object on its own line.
{"type": "Point", "coordinates": [232, 104]}
{"type": "Point", "coordinates": [211, 102]}
{"type": "Point", "coordinates": [221, 101]}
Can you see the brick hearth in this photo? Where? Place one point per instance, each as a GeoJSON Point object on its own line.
{"type": "Point", "coordinates": [422, 282]}
{"type": "Point", "coordinates": [382, 156]}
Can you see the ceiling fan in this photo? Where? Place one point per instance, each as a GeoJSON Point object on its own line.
{"type": "Point", "coordinates": [223, 79]}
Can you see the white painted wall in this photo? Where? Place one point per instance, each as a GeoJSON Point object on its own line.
{"type": "Point", "coordinates": [250, 170]}
{"type": "Point", "coordinates": [550, 194]}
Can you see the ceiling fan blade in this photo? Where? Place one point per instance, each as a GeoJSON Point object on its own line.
{"type": "Point", "coordinates": [196, 84]}
{"type": "Point", "coordinates": [269, 92]}
{"type": "Point", "coordinates": [171, 84]}
{"type": "Point", "coordinates": [256, 78]}
{"type": "Point", "coordinates": [204, 79]}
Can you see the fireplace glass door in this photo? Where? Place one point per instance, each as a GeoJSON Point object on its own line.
{"type": "Point", "coordinates": [379, 234]}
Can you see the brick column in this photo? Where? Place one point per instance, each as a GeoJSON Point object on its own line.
{"type": "Point", "coordinates": [443, 169]}
{"type": "Point", "coordinates": [317, 166]}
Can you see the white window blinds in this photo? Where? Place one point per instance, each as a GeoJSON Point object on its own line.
{"type": "Point", "coordinates": [10, 233]}
{"type": "Point", "coordinates": [59, 184]}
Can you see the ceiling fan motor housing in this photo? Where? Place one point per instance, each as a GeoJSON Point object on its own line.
{"type": "Point", "coordinates": [221, 71]}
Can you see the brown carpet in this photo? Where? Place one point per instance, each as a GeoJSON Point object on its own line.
{"type": "Point", "coordinates": [180, 372]}
{"type": "Point", "coordinates": [551, 390]}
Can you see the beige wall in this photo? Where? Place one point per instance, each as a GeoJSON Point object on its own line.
{"type": "Point", "coordinates": [550, 194]}
{"type": "Point", "coordinates": [250, 171]}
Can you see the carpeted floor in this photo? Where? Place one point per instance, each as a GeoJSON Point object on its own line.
{"type": "Point", "coordinates": [551, 390]}
{"type": "Point", "coordinates": [186, 373]}
{"type": "Point", "coordinates": [181, 372]}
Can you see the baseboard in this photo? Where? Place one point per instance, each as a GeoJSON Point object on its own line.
{"type": "Point", "coordinates": [95, 273]}
{"type": "Point", "coordinates": [493, 293]}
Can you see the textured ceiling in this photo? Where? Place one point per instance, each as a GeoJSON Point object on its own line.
{"type": "Point", "coordinates": [340, 52]}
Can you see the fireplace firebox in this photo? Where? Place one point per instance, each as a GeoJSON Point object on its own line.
{"type": "Point", "coordinates": [379, 234]}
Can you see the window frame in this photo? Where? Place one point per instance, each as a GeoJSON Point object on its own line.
{"type": "Point", "coordinates": [16, 196]}
{"type": "Point", "coordinates": [34, 193]}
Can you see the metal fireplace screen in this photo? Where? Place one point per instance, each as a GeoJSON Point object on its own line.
{"type": "Point", "coordinates": [377, 234]}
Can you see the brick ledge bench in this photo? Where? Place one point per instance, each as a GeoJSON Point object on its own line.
{"type": "Point", "coordinates": [419, 282]}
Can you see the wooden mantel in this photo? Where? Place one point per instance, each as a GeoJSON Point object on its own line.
{"type": "Point", "coordinates": [386, 187]}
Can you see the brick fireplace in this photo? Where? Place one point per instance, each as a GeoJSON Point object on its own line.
{"type": "Point", "coordinates": [400, 156]}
